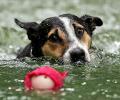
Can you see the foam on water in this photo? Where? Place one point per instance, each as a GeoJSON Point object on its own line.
{"type": "Point", "coordinates": [113, 47]}
{"type": "Point", "coordinates": [4, 56]}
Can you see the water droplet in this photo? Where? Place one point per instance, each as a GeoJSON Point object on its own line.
{"type": "Point", "coordinates": [63, 93]}
{"type": "Point", "coordinates": [108, 80]}
{"type": "Point", "coordinates": [18, 90]}
{"type": "Point", "coordinates": [9, 88]}
{"type": "Point", "coordinates": [93, 93]}
{"type": "Point", "coordinates": [70, 89]}
{"type": "Point", "coordinates": [79, 96]}
{"type": "Point", "coordinates": [84, 83]}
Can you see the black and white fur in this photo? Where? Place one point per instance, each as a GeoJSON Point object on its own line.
{"type": "Point", "coordinates": [38, 35]}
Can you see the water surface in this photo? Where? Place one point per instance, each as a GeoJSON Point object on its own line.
{"type": "Point", "coordinates": [97, 80]}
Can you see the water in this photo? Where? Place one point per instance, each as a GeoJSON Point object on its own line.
{"type": "Point", "coordinates": [97, 80]}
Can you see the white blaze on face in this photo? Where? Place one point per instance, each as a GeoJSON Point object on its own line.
{"type": "Point", "coordinates": [74, 41]}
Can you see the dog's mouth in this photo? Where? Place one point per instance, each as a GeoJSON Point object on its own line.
{"type": "Point", "coordinates": [79, 62]}
{"type": "Point", "coordinates": [72, 62]}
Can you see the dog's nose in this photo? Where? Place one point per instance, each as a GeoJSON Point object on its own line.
{"type": "Point", "coordinates": [77, 55]}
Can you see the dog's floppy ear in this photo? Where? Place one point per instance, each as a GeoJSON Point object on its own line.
{"type": "Point", "coordinates": [31, 27]}
{"type": "Point", "coordinates": [92, 21]}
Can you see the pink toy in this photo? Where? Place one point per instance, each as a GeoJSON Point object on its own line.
{"type": "Point", "coordinates": [44, 78]}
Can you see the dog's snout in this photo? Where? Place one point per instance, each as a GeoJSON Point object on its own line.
{"type": "Point", "coordinates": [77, 55]}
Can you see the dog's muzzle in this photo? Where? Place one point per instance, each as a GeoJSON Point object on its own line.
{"type": "Point", "coordinates": [76, 55]}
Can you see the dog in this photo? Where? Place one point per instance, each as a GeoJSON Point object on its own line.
{"type": "Point", "coordinates": [67, 37]}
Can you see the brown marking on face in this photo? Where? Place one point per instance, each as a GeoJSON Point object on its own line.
{"type": "Point", "coordinates": [51, 31]}
{"type": "Point", "coordinates": [86, 39]}
{"type": "Point", "coordinates": [78, 25]}
{"type": "Point", "coordinates": [62, 35]}
{"type": "Point", "coordinates": [53, 49]}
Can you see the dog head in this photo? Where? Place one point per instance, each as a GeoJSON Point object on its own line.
{"type": "Point", "coordinates": [66, 36]}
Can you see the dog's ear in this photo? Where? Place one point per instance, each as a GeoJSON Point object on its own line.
{"type": "Point", "coordinates": [30, 27]}
{"type": "Point", "coordinates": [92, 21]}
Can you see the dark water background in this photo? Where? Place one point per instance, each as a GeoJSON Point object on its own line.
{"type": "Point", "coordinates": [98, 80]}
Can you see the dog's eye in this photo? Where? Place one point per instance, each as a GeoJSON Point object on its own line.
{"type": "Point", "coordinates": [54, 37]}
{"type": "Point", "coordinates": [78, 30]}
